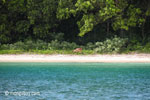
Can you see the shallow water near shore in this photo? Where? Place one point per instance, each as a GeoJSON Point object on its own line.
{"type": "Point", "coordinates": [74, 81]}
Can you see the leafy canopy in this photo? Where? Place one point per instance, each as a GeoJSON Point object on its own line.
{"type": "Point", "coordinates": [93, 12]}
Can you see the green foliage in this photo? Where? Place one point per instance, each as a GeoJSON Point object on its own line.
{"type": "Point", "coordinates": [96, 11]}
{"type": "Point", "coordinates": [12, 15]}
{"type": "Point", "coordinates": [86, 24]}
{"type": "Point", "coordinates": [64, 9]}
{"type": "Point", "coordinates": [57, 36]}
{"type": "Point", "coordinates": [134, 45]}
{"type": "Point", "coordinates": [3, 1]}
{"type": "Point", "coordinates": [68, 8]}
{"type": "Point", "coordinates": [39, 45]}
{"type": "Point", "coordinates": [131, 20]}
{"type": "Point", "coordinates": [113, 45]}
{"type": "Point", "coordinates": [41, 16]}
{"type": "Point", "coordinates": [138, 48]}
{"type": "Point", "coordinates": [56, 45]}
{"type": "Point", "coordinates": [23, 18]}
{"type": "Point", "coordinates": [28, 45]}
{"type": "Point", "coordinates": [68, 46]}
{"type": "Point", "coordinates": [85, 52]}
{"type": "Point", "coordinates": [146, 48]}
{"type": "Point", "coordinates": [12, 52]}
{"type": "Point", "coordinates": [90, 46]}
{"type": "Point", "coordinates": [17, 46]}
{"type": "Point", "coordinates": [58, 21]}
{"type": "Point", "coordinates": [5, 47]}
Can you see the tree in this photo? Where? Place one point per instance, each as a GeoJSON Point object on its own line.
{"type": "Point", "coordinates": [12, 15]}
{"type": "Point", "coordinates": [20, 19]}
{"type": "Point", "coordinates": [42, 16]}
{"type": "Point", "coordinates": [122, 14]}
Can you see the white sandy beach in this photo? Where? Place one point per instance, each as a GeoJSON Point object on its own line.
{"type": "Point", "coordinates": [144, 58]}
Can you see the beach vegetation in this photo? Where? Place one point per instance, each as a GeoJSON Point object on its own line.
{"type": "Point", "coordinates": [100, 26]}
{"type": "Point", "coordinates": [113, 45]}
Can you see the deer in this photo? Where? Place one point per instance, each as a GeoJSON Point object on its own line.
{"type": "Point", "coordinates": [78, 50]}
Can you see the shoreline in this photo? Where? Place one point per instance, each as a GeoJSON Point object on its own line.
{"type": "Point", "coordinates": [115, 58]}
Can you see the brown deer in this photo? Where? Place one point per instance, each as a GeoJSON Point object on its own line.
{"type": "Point", "coordinates": [78, 50]}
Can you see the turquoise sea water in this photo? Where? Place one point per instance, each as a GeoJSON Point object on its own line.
{"type": "Point", "coordinates": [74, 81]}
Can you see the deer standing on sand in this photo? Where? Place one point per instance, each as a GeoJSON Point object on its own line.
{"type": "Point", "coordinates": [78, 50]}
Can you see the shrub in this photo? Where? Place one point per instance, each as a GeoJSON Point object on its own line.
{"type": "Point", "coordinates": [5, 47]}
{"type": "Point", "coordinates": [68, 46]}
{"type": "Point", "coordinates": [146, 48]}
{"type": "Point", "coordinates": [54, 45]}
{"type": "Point", "coordinates": [113, 45]}
{"type": "Point", "coordinates": [37, 45]}
{"type": "Point", "coordinates": [134, 45]}
{"type": "Point", "coordinates": [41, 45]}
{"type": "Point", "coordinates": [29, 45]}
{"type": "Point", "coordinates": [57, 36]}
{"type": "Point", "coordinates": [17, 46]}
{"type": "Point", "coordinates": [90, 46]}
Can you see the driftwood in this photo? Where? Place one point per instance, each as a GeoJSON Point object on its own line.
{"type": "Point", "coordinates": [78, 50]}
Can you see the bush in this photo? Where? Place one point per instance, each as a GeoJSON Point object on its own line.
{"type": "Point", "coordinates": [17, 46]}
{"type": "Point", "coordinates": [90, 46]}
{"type": "Point", "coordinates": [68, 46]}
{"type": "Point", "coordinates": [57, 36]}
{"type": "Point", "coordinates": [56, 45]}
{"type": "Point", "coordinates": [113, 45]}
{"type": "Point", "coordinates": [41, 45]}
{"type": "Point", "coordinates": [5, 47]}
{"type": "Point", "coordinates": [146, 48]}
{"type": "Point", "coordinates": [135, 47]}
{"type": "Point", "coordinates": [27, 45]}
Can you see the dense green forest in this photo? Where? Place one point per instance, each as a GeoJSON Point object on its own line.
{"type": "Point", "coordinates": [100, 25]}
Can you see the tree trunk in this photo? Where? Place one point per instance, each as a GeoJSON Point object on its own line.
{"type": "Point", "coordinates": [122, 32]}
{"type": "Point", "coordinates": [107, 27]}
{"type": "Point", "coordinates": [143, 30]}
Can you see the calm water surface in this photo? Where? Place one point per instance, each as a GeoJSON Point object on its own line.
{"type": "Point", "coordinates": [75, 81]}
